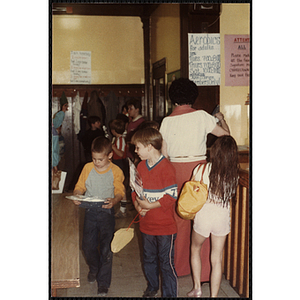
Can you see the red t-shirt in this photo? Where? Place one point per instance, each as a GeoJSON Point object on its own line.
{"type": "Point", "coordinates": [159, 184]}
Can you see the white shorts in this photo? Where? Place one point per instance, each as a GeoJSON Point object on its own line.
{"type": "Point", "coordinates": [212, 219]}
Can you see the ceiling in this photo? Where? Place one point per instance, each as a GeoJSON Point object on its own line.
{"type": "Point", "coordinates": [139, 10]}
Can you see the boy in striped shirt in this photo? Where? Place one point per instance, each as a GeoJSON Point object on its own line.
{"type": "Point", "coordinates": [158, 227]}
{"type": "Point", "coordinates": [117, 128]}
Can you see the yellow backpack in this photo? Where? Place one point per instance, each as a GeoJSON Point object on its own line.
{"type": "Point", "coordinates": [192, 197]}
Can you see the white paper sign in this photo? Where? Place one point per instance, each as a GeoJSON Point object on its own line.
{"type": "Point", "coordinates": [204, 58]}
{"type": "Point", "coordinates": [80, 67]}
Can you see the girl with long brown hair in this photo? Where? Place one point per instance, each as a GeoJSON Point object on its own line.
{"type": "Point", "coordinates": [221, 177]}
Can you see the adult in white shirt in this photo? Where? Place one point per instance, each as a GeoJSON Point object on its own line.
{"type": "Point", "coordinates": [184, 134]}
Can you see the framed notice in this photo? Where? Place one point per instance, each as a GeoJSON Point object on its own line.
{"type": "Point", "coordinates": [204, 58]}
{"type": "Point", "coordinates": [80, 66]}
{"type": "Point", "coordinates": [237, 60]}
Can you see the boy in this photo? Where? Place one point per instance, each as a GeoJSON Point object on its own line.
{"type": "Point", "coordinates": [94, 131]}
{"type": "Point", "coordinates": [134, 108]}
{"type": "Point", "coordinates": [117, 128]}
{"type": "Point", "coordinates": [158, 226]}
{"type": "Point", "coordinates": [103, 179]}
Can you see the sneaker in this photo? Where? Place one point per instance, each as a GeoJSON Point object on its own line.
{"type": "Point", "coordinates": [120, 214]}
{"type": "Point", "coordinates": [149, 294]}
{"type": "Point", "coordinates": [102, 291]}
{"type": "Point", "coordinates": [91, 277]}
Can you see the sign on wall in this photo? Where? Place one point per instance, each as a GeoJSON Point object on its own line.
{"type": "Point", "coordinates": [204, 58]}
{"type": "Point", "coordinates": [237, 60]}
{"type": "Point", "coordinates": [80, 66]}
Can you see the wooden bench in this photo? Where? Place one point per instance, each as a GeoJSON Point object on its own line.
{"type": "Point", "coordinates": [64, 244]}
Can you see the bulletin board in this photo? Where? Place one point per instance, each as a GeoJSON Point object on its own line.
{"type": "Point", "coordinates": [237, 60]}
{"type": "Point", "coordinates": [204, 58]}
{"type": "Point", "coordinates": [80, 67]}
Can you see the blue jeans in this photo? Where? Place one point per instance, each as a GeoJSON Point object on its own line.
{"type": "Point", "coordinates": [98, 229]}
{"type": "Point", "coordinates": [159, 250]}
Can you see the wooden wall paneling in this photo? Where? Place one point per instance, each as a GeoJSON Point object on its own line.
{"type": "Point", "coordinates": [242, 236]}
{"type": "Point", "coordinates": [246, 274]}
{"type": "Point", "coordinates": [236, 252]}
{"type": "Point", "coordinates": [235, 226]}
{"type": "Point", "coordinates": [65, 271]}
{"type": "Point", "coordinates": [124, 90]}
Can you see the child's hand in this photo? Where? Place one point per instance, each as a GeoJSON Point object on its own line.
{"type": "Point", "coordinates": [140, 210]}
{"type": "Point", "coordinates": [109, 203]}
{"type": "Point", "coordinates": [143, 203]}
{"type": "Point", "coordinates": [143, 211]}
{"type": "Point", "coordinates": [76, 192]}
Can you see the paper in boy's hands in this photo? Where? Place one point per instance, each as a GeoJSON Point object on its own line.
{"type": "Point", "coordinates": [135, 182]}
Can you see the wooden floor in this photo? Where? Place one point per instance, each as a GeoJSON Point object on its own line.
{"type": "Point", "coordinates": [127, 278]}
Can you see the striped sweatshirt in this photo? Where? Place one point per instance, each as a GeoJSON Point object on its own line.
{"type": "Point", "coordinates": [159, 183]}
{"type": "Point", "coordinates": [104, 184]}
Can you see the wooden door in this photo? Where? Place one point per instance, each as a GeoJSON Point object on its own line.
{"type": "Point", "coordinates": [159, 90]}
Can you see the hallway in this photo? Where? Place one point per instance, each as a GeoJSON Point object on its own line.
{"type": "Point", "coordinates": [127, 277]}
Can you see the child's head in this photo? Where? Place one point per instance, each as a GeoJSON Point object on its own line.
{"type": "Point", "coordinates": [122, 117]}
{"type": "Point", "coordinates": [149, 124]}
{"type": "Point", "coordinates": [101, 152]}
{"type": "Point", "coordinates": [224, 151]}
{"type": "Point", "coordinates": [148, 136]}
{"type": "Point", "coordinates": [63, 102]}
{"type": "Point", "coordinates": [94, 122]}
{"type": "Point", "coordinates": [101, 144]}
{"type": "Point", "coordinates": [148, 142]}
{"type": "Point", "coordinates": [124, 109]}
{"type": "Point", "coordinates": [118, 126]}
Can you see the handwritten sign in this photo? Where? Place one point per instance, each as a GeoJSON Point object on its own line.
{"type": "Point", "coordinates": [204, 58]}
{"type": "Point", "coordinates": [80, 66]}
{"type": "Point", "coordinates": [237, 60]}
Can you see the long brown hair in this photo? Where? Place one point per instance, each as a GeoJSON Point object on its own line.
{"type": "Point", "coordinates": [224, 172]}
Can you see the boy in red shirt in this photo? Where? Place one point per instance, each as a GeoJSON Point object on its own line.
{"type": "Point", "coordinates": [157, 226]}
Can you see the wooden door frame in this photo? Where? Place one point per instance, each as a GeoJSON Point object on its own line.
{"type": "Point", "coordinates": [159, 72]}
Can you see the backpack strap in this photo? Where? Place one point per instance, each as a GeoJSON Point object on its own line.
{"type": "Point", "coordinates": [203, 172]}
{"type": "Point", "coordinates": [194, 176]}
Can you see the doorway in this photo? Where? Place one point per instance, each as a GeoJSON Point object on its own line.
{"type": "Point", "coordinates": [159, 90]}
